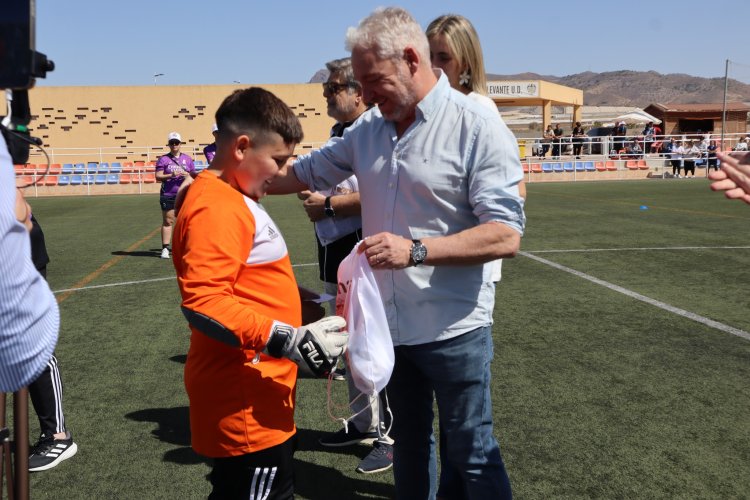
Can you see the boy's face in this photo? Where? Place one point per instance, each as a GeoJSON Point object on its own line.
{"type": "Point", "coordinates": [260, 164]}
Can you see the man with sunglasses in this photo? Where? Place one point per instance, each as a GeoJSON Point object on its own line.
{"type": "Point", "coordinates": [338, 227]}
{"type": "Point", "coordinates": [171, 170]}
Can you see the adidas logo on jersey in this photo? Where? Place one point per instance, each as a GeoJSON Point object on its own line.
{"type": "Point", "coordinates": [272, 234]}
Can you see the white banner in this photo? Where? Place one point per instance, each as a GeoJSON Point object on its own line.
{"type": "Point", "coordinates": [516, 89]}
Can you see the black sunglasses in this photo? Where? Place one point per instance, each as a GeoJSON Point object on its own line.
{"type": "Point", "coordinates": [334, 88]}
{"type": "Point", "coordinates": [174, 142]}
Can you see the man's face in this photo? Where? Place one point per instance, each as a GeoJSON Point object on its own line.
{"type": "Point", "coordinates": [174, 147]}
{"type": "Point", "coordinates": [340, 98]}
{"type": "Point", "coordinates": [262, 162]}
{"type": "Point", "coordinates": [385, 82]}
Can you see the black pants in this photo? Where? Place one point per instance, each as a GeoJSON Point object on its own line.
{"type": "Point", "coordinates": [577, 147]}
{"type": "Point", "coordinates": [266, 474]}
{"type": "Point", "coordinates": [46, 398]}
{"type": "Point", "coordinates": [689, 167]}
{"type": "Point", "coordinates": [676, 167]}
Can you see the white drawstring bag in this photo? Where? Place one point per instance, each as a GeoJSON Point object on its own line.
{"type": "Point", "coordinates": [370, 353]}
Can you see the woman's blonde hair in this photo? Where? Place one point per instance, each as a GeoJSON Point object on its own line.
{"type": "Point", "coordinates": [463, 40]}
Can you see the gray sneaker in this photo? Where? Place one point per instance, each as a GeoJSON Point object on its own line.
{"type": "Point", "coordinates": [380, 459]}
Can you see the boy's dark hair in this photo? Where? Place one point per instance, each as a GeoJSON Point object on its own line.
{"type": "Point", "coordinates": [257, 112]}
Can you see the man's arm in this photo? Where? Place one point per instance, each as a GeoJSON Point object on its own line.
{"type": "Point", "coordinates": [477, 245]}
{"type": "Point", "coordinates": [286, 181]}
{"type": "Point", "coordinates": [343, 205]}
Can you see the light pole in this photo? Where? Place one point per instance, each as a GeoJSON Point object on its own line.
{"type": "Point", "coordinates": [157, 75]}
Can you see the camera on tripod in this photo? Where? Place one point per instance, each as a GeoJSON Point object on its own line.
{"type": "Point", "coordinates": [20, 66]}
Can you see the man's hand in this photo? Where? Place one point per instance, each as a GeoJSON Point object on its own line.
{"type": "Point", "coordinates": [316, 346]}
{"type": "Point", "coordinates": [386, 251]}
{"type": "Point", "coordinates": [314, 205]}
{"type": "Point", "coordinates": [734, 176]}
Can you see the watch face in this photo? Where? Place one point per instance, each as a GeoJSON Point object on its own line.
{"type": "Point", "coordinates": [418, 253]}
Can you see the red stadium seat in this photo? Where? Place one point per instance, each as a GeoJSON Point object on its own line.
{"type": "Point", "coordinates": [611, 165]}
{"type": "Point", "coordinates": [536, 167]}
{"type": "Point", "coordinates": [600, 166]}
{"type": "Point", "coordinates": [149, 178]}
{"type": "Point", "coordinates": [128, 178]}
{"type": "Point", "coordinates": [50, 180]}
{"type": "Point", "coordinates": [631, 165]}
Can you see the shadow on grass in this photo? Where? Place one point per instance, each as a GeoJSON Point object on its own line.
{"type": "Point", "coordinates": [179, 358]}
{"type": "Point", "coordinates": [139, 253]}
{"type": "Point", "coordinates": [173, 427]}
{"type": "Point", "coordinates": [311, 479]}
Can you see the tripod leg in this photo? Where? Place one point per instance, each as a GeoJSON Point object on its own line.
{"type": "Point", "coordinates": [21, 438]}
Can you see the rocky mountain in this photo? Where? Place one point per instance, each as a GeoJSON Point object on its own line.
{"type": "Point", "coordinates": [632, 88]}
{"type": "Point", "coordinates": [641, 88]}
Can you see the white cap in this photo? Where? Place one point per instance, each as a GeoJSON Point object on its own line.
{"type": "Point", "coordinates": [214, 128]}
{"type": "Point", "coordinates": [173, 136]}
{"type": "Point", "coordinates": [621, 123]}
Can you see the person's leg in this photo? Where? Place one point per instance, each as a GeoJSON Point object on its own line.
{"type": "Point", "coordinates": [460, 374]}
{"type": "Point", "coordinates": [414, 459]}
{"type": "Point", "coordinates": [267, 474]}
{"type": "Point", "coordinates": [55, 443]}
{"type": "Point", "coordinates": [46, 398]}
{"type": "Point", "coordinates": [166, 227]}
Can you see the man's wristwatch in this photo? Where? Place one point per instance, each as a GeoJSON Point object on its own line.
{"type": "Point", "coordinates": [418, 253]}
{"type": "Point", "coordinates": [327, 208]}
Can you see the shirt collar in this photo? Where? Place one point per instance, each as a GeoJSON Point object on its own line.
{"type": "Point", "coordinates": [429, 104]}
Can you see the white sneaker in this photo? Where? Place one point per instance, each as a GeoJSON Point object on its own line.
{"type": "Point", "coordinates": [164, 253]}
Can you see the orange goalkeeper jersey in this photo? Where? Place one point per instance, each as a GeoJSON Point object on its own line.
{"type": "Point", "coordinates": [234, 273]}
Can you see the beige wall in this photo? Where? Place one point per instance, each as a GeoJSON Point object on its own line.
{"type": "Point", "coordinates": [127, 120]}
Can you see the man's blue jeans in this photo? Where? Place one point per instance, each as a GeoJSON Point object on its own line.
{"type": "Point", "coordinates": [457, 372]}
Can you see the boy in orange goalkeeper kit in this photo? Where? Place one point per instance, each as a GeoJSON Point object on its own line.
{"type": "Point", "coordinates": [241, 300]}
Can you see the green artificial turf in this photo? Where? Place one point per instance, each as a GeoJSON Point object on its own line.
{"type": "Point", "coordinates": [595, 395]}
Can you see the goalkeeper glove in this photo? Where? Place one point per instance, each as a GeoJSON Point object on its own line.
{"type": "Point", "coordinates": [316, 346]}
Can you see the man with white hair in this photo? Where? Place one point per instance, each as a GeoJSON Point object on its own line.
{"type": "Point", "coordinates": [438, 177]}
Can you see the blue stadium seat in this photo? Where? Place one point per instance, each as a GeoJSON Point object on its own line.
{"type": "Point", "coordinates": [589, 166]}
{"type": "Point", "coordinates": [76, 180]}
{"type": "Point", "coordinates": [580, 167]}
{"type": "Point", "coordinates": [79, 168]}
{"type": "Point", "coordinates": [91, 167]}
{"type": "Point", "coordinates": [557, 167]}
{"type": "Point", "coordinates": [64, 180]}
{"type": "Point", "coordinates": [568, 166]}
{"type": "Point", "coordinates": [100, 179]}
{"type": "Point", "coordinates": [103, 168]}
{"type": "Point", "coordinates": [67, 168]}
{"type": "Point", "coordinates": [89, 179]}
{"type": "Point", "coordinates": [113, 179]}
{"type": "Point", "coordinates": [546, 167]}
{"type": "Point", "coordinates": [115, 168]}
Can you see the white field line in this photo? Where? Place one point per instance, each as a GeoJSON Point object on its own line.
{"type": "Point", "coordinates": [139, 282]}
{"type": "Point", "coordinates": [633, 249]}
{"type": "Point", "coordinates": [648, 300]}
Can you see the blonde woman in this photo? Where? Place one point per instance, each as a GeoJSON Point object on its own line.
{"type": "Point", "coordinates": [455, 49]}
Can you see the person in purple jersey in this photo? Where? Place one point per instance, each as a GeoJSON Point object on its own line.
{"type": "Point", "coordinates": [210, 151]}
{"type": "Point", "coordinates": [171, 170]}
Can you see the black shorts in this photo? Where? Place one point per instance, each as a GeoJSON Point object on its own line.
{"type": "Point", "coordinates": [166, 202]}
{"type": "Point", "coordinates": [331, 255]}
{"type": "Point", "coordinates": [267, 474]}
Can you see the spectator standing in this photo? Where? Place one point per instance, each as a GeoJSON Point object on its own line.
{"type": "Point", "coordinates": [676, 152]}
{"type": "Point", "coordinates": [432, 216]}
{"type": "Point", "coordinates": [691, 154]}
{"type": "Point", "coordinates": [620, 134]}
{"type": "Point", "coordinates": [557, 145]}
{"type": "Point", "coordinates": [338, 227]}
{"type": "Point", "coordinates": [55, 442]}
{"type": "Point", "coordinates": [711, 150]}
{"type": "Point", "coordinates": [648, 137]}
{"type": "Point", "coordinates": [171, 170]}
{"type": "Point", "coordinates": [547, 138]}
{"type": "Point", "coordinates": [578, 136]}
{"type": "Point", "coordinates": [210, 151]}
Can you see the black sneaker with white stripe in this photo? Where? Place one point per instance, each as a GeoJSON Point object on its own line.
{"type": "Point", "coordinates": [49, 452]}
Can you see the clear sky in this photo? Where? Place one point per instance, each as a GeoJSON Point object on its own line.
{"type": "Point", "coordinates": [125, 42]}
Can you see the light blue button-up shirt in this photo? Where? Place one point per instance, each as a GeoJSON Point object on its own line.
{"type": "Point", "coordinates": [29, 318]}
{"type": "Point", "coordinates": [455, 167]}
